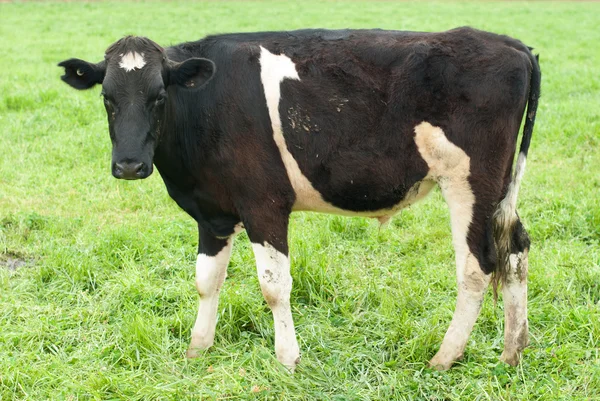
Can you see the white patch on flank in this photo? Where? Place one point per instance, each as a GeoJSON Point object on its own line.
{"type": "Point", "coordinates": [449, 165]}
{"type": "Point", "coordinates": [132, 61]}
{"type": "Point", "coordinates": [274, 69]}
{"type": "Point", "coordinates": [273, 269]}
{"type": "Point", "coordinates": [210, 275]}
{"type": "Point", "coordinates": [514, 292]}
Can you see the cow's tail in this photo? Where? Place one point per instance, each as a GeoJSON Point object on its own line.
{"type": "Point", "coordinates": [505, 218]}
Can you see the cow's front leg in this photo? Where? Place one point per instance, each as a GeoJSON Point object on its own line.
{"type": "Point", "coordinates": [269, 243]}
{"type": "Point", "coordinates": [211, 270]}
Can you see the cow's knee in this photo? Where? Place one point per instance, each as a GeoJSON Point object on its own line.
{"type": "Point", "coordinates": [273, 274]}
{"type": "Point", "coordinates": [210, 275]}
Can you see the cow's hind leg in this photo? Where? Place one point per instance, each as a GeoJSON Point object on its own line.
{"type": "Point", "coordinates": [471, 278]}
{"type": "Point", "coordinates": [513, 247]}
{"type": "Point", "coordinates": [211, 270]}
{"type": "Point", "coordinates": [470, 216]}
{"type": "Point", "coordinates": [513, 274]}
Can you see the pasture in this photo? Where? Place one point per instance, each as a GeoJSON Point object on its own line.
{"type": "Point", "coordinates": [97, 294]}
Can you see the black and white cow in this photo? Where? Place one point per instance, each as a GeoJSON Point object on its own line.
{"type": "Point", "coordinates": [247, 128]}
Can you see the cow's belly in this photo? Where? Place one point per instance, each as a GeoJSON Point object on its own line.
{"type": "Point", "coordinates": [309, 199]}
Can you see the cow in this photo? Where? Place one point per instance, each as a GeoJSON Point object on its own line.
{"type": "Point", "coordinates": [247, 128]}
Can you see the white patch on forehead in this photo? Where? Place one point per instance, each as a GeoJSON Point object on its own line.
{"type": "Point", "coordinates": [131, 61]}
{"type": "Point", "coordinates": [274, 69]}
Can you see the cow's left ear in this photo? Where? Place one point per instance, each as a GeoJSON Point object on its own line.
{"type": "Point", "coordinates": [81, 74]}
{"type": "Point", "coordinates": [192, 73]}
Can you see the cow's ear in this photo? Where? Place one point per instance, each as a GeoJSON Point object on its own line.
{"type": "Point", "coordinates": [191, 73]}
{"type": "Point", "coordinates": [81, 74]}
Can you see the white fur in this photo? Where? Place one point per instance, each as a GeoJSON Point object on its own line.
{"type": "Point", "coordinates": [132, 61]}
{"type": "Point", "coordinates": [210, 275]}
{"type": "Point", "coordinates": [276, 284]}
{"type": "Point", "coordinates": [507, 209]}
{"type": "Point", "coordinates": [449, 165]}
{"type": "Point", "coordinates": [274, 70]}
{"type": "Point", "coordinates": [514, 292]}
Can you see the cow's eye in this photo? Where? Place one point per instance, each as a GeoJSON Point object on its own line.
{"type": "Point", "coordinates": [160, 99]}
{"type": "Point", "coordinates": [106, 100]}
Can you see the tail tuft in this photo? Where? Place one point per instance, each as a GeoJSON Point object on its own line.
{"type": "Point", "coordinates": [504, 221]}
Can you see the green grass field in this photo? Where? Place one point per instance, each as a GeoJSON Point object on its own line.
{"type": "Point", "coordinates": [97, 294]}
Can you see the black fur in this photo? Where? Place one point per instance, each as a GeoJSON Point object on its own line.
{"type": "Point", "coordinates": [200, 116]}
{"type": "Point", "coordinates": [81, 74]}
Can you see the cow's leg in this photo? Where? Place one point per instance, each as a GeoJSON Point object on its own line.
{"type": "Point", "coordinates": [269, 243]}
{"type": "Point", "coordinates": [451, 167]}
{"type": "Point", "coordinates": [514, 292]}
{"type": "Point", "coordinates": [471, 279]}
{"type": "Point", "coordinates": [211, 270]}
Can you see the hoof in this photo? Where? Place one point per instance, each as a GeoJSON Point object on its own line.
{"type": "Point", "coordinates": [291, 367]}
{"type": "Point", "coordinates": [290, 359]}
{"type": "Point", "coordinates": [192, 353]}
{"type": "Point", "coordinates": [441, 362]}
{"type": "Point", "coordinates": [196, 348]}
{"type": "Point", "coordinates": [439, 365]}
{"type": "Point", "coordinates": [511, 358]}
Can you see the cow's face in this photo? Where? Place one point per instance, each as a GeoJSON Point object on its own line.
{"type": "Point", "coordinates": [135, 75]}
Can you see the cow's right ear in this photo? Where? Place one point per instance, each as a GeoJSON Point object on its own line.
{"type": "Point", "coordinates": [191, 73]}
{"type": "Point", "coordinates": [81, 74]}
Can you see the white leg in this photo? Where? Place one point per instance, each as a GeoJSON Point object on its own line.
{"type": "Point", "coordinates": [450, 166]}
{"type": "Point", "coordinates": [514, 291]}
{"type": "Point", "coordinates": [276, 284]}
{"type": "Point", "coordinates": [210, 275]}
{"type": "Point", "coordinates": [472, 283]}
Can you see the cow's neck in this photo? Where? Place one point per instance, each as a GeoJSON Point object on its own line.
{"type": "Point", "coordinates": [186, 173]}
{"type": "Point", "coordinates": [170, 159]}
{"type": "Point", "coordinates": [176, 154]}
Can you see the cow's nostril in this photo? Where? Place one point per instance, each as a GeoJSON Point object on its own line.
{"type": "Point", "coordinates": [138, 168]}
{"type": "Point", "coordinates": [118, 170]}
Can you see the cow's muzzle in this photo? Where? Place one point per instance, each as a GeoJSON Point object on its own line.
{"type": "Point", "coordinates": [131, 170]}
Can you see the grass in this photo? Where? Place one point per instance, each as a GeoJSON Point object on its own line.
{"type": "Point", "coordinates": [96, 275]}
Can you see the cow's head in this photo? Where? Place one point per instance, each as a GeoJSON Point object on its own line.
{"type": "Point", "coordinates": [135, 75]}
